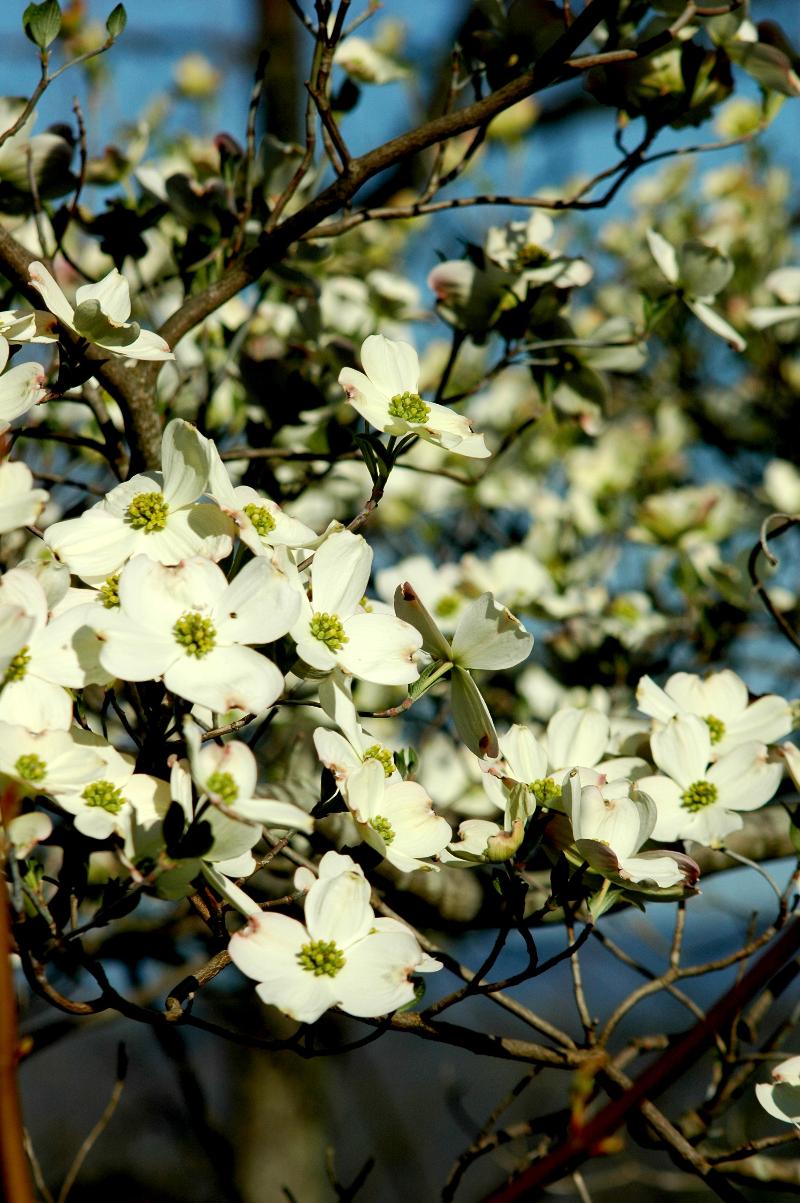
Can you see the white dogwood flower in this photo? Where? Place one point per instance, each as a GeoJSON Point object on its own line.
{"type": "Point", "coordinates": [45, 762]}
{"type": "Point", "coordinates": [387, 396]}
{"type": "Point", "coordinates": [188, 626]}
{"type": "Point", "coordinates": [154, 513]}
{"type": "Point", "coordinates": [341, 956]}
{"type": "Point", "coordinates": [697, 272]}
{"type": "Point", "coordinates": [781, 1097]}
{"type": "Point", "coordinates": [334, 631]}
{"type": "Point", "coordinates": [396, 818]}
{"type": "Point", "coordinates": [487, 636]}
{"type": "Point", "coordinates": [698, 800]}
{"type": "Point", "coordinates": [227, 774]}
{"type": "Point", "coordinates": [21, 387]}
{"type": "Point", "coordinates": [722, 701]}
{"type": "Point", "coordinates": [610, 823]}
{"type": "Point", "coordinates": [100, 315]}
{"type": "Point", "coordinates": [344, 754]}
{"type": "Point", "coordinates": [261, 523]}
{"type": "Point", "coordinates": [20, 503]}
{"type": "Point", "coordinates": [33, 690]}
{"type": "Point", "coordinates": [102, 807]}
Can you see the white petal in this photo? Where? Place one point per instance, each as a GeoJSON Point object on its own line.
{"type": "Point", "coordinates": [374, 980]}
{"type": "Point", "coordinates": [381, 649]}
{"type": "Point", "coordinates": [651, 699]}
{"type": "Point", "coordinates": [113, 294]}
{"type": "Point", "coordinates": [185, 460]}
{"type": "Point", "coordinates": [337, 907]}
{"type": "Point", "coordinates": [228, 678]}
{"type": "Point", "coordinates": [664, 254]}
{"type": "Point", "coordinates": [393, 367]}
{"type": "Point", "coordinates": [340, 574]}
{"type": "Point", "coordinates": [780, 1100]}
{"type": "Point", "coordinates": [682, 749]}
{"type": "Point", "coordinates": [258, 606]}
{"type": "Point", "coordinates": [745, 778]}
{"type": "Point", "coordinates": [20, 389]}
{"type": "Point", "coordinates": [526, 757]}
{"type": "Point", "coordinates": [50, 292]}
{"type": "Point", "coordinates": [471, 715]}
{"type": "Point", "coordinates": [366, 399]}
{"type": "Point", "coordinates": [716, 324]}
{"type": "Point", "coordinates": [488, 636]}
{"type": "Point", "coordinates": [130, 651]}
{"type": "Point", "coordinates": [577, 737]}
{"type": "Point", "coordinates": [766, 720]}
{"type": "Point", "coordinates": [148, 346]}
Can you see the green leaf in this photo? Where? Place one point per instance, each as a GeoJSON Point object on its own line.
{"type": "Point", "coordinates": [42, 23]}
{"type": "Point", "coordinates": [116, 21]}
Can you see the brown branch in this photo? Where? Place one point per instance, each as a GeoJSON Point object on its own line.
{"type": "Point", "coordinates": [582, 1142]}
{"type": "Point", "coordinates": [14, 1174]}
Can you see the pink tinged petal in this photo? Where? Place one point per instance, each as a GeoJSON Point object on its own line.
{"type": "Point", "coordinates": [577, 737]}
{"type": "Point", "coordinates": [767, 720]}
{"type": "Point", "coordinates": [50, 293]}
{"type": "Point", "coordinates": [185, 460]}
{"type": "Point", "coordinates": [393, 367]}
{"type": "Point", "coordinates": [337, 908]}
{"type": "Point", "coordinates": [380, 648]}
{"type": "Point", "coordinates": [689, 869]}
{"type": "Point", "coordinates": [268, 943]}
{"type": "Point", "coordinates": [409, 607]}
{"type": "Point", "coordinates": [366, 399]}
{"type": "Point", "coordinates": [20, 588]}
{"type": "Point", "coordinates": [442, 420]}
{"type": "Point", "coordinates": [745, 778]}
{"type": "Point", "coordinates": [682, 749]}
{"type": "Point", "coordinates": [670, 815]}
{"type": "Point", "coordinates": [662, 871]}
{"type": "Point", "coordinates": [651, 699]}
{"type": "Point", "coordinates": [131, 651]}
{"type": "Point", "coordinates": [258, 606]}
{"type": "Point", "coordinates": [781, 1100]}
{"type": "Point", "coordinates": [375, 978]}
{"type": "Point", "coordinates": [20, 389]}
{"type": "Point", "coordinates": [340, 574]}
{"type": "Point", "coordinates": [36, 704]}
{"type": "Point", "coordinates": [471, 715]}
{"type": "Point", "coordinates": [227, 678]}
{"type": "Point", "coordinates": [336, 753]}
{"type": "Point", "coordinates": [488, 636]}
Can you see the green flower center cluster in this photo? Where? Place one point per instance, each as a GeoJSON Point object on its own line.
{"type": "Point", "coordinates": [104, 795]}
{"type": "Point", "coordinates": [31, 767]}
{"type": "Point", "coordinates": [447, 605]}
{"type": "Point", "coordinates": [148, 512]}
{"type": "Point", "coordinates": [321, 957]}
{"type": "Point", "coordinates": [698, 796]}
{"type": "Point", "coordinates": [17, 667]}
{"type": "Point", "coordinates": [261, 518]}
{"type": "Point", "coordinates": [329, 630]}
{"type": "Point", "coordinates": [624, 609]}
{"type": "Point", "coordinates": [224, 786]}
{"type": "Point", "coordinates": [383, 828]}
{"type": "Point", "coordinates": [530, 256]}
{"type": "Point", "coordinates": [545, 790]}
{"type": "Point", "coordinates": [716, 728]}
{"type": "Point", "coordinates": [196, 634]}
{"type": "Point", "coordinates": [383, 755]}
{"type": "Point", "coordinates": [109, 592]}
{"type": "Point", "coordinates": [410, 407]}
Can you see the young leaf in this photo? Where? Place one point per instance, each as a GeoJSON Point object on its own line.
{"type": "Point", "coordinates": [42, 23]}
{"type": "Point", "coordinates": [116, 21]}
